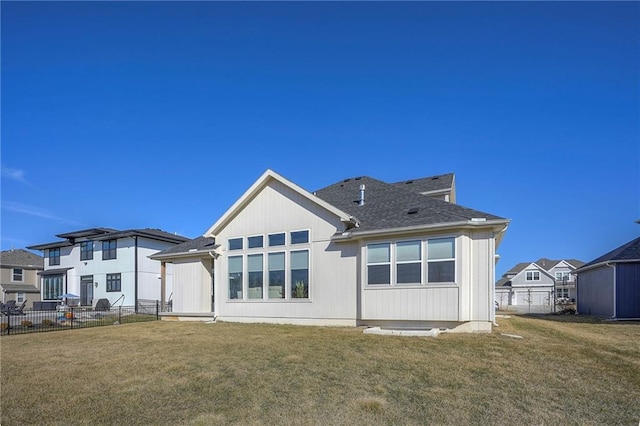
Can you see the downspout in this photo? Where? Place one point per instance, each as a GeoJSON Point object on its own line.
{"type": "Point", "coordinates": [135, 279]}
{"type": "Point", "coordinates": [615, 290]}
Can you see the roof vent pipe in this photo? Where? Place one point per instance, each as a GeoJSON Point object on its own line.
{"type": "Point", "coordinates": [361, 202]}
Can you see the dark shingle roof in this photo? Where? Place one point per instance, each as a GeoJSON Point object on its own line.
{"type": "Point", "coordinates": [197, 244]}
{"type": "Point", "coordinates": [19, 288]}
{"type": "Point", "coordinates": [387, 206]}
{"type": "Point", "coordinates": [99, 234]}
{"type": "Point", "coordinates": [628, 251]}
{"type": "Point", "coordinates": [428, 184]}
{"type": "Point", "coordinates": [22, 258]}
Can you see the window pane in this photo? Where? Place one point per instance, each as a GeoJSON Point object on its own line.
{"type": "Point", "coordinates": [441, 272]}
{"type": "Point", "coordinates": [299, 237]}
{"type": "Point", "coordinates": [299, 259]}
{"type": "Point", "coordinates": [276, 240]}
{"type": "Point", "coordinates": [299, 274]}
{"type": "Point", "coordinates": [379, 274]}
{"type": "Point", "coordinates": [378, 253]}
{"type": "Point", "coordinates": [441, 248]}
{"type": "Point", "coordinates": [254, 266]}
{"type": "Point", "coordinates": [235, 277]}
{"type": "Point", "coordinates": [407, 250]}
{"type": "Point", "coordinates": [235, 244]}
{"type": "Point", "coordinates": [113, 282]}
{"type": "Point", "coordinates": [409, 273]}
{"type": "Point", "coordinates": [17, 274]}
{"type": "Point", "coordinates": [276, 275]}
{"type": "Point", "coordinates": [255, 242]}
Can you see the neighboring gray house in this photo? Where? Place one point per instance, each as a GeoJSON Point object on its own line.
{"type": "Point", "coordinates": [19, 279]}
{"type": "Point", "coordinates": [534, 283]}
{"type": "Point", "coordinates": [358, 252]}
{"type": "Point", "coordinates": [610, 284]}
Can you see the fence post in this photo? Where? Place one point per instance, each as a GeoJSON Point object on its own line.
{"type": "Point", "coordinates": [120, 314]}
{"type": "Point", "coordinates": [8, 323]}
{"type": "Point", "coordinates": [157, 309]}
{"type": "Point", "coordinates": [72, 315]}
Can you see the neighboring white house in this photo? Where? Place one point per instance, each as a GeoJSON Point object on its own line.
{"type": "Point", "coordinates": [107, 263]}
{"type": "Point", "coordinates": [534, 283]}
{"type": "Point", "coordinates": [359, 252]}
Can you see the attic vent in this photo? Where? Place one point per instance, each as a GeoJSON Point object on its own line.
{"type": "Point", "coordinates": [359, 177]}
{"type": "Point", "coordinates": [413, 211]}
{"type": "Point", "coordinates": [408, 182]}
{"type": "Point", "coordinates": [346, 180]}
{"type": "Point", "coordinates": [435, 178]}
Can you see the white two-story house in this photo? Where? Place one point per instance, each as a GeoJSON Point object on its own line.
{"type": "Point", "coordinates": [536, 283]}
{"type": "Point", "coordinates": [104, 263]}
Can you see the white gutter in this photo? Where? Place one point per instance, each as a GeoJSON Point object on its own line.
{"type": "Point", "coordinates": [466, 224]}
{"type": "Point", "coordinates": [605, 263]}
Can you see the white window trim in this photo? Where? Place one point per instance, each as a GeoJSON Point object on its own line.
{"type": "Point", "coordinates": [13, 275]}
{"type": "Point", "coordinates": [424, 262]}
{"type": "Point", "coordinates": [265, 250]}
{"type": "Point", "coordinates": [533, 274]}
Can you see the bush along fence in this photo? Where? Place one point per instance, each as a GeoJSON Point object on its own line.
{"type": "Point", "coordinates": [69, 318]}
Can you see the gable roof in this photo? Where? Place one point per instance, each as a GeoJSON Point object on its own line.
{"type": "Point", "coordinates": [544, 264]}
{"type": "Point", "coordinates": [195, 247]}
{"type": "Point", "coordinates": [21, 258]}
{"type": "Point", "coordinates": [392, 207]}
{"type": "Point", "coordinates": [267, 177]}
{"type": "Point", "coordinates": [100, 234]}
{"type": "Point", "coordinates": [629, 252]}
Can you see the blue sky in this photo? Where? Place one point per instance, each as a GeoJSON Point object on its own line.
{"type": "Point", "coordinates": [161, 114]}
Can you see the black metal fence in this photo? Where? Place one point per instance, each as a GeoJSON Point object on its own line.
{"type": "Point", "coordinates": [70, 318]}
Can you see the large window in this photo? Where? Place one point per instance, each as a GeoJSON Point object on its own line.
{"type": "Point", "coordinates": [52, 287]}
{"type": "Point", "coordinates": [563, 276]}
{"type": "Point", "coordinates": [379, 263]}
{"type": "Point", "coordinates": [86, 250]}
{"type": "Point", "coordinates": [54, 256]}
{"type": "Point", "coordinates": [532, 275]}
{"type": "Point", "coordinates": [114, 282]}
{"type": "Point", "coordinates": [255, 269]}
{"type": "Point", "coordinates": [270, 266]}
{"type": "Point", "coordinates": [235, 277]}
{"type": "Point", "coordinates": [18, 274]}
{"type": "Point", "coordinates": [276, 275]}
{"type": "Point", "coordinates": [408, 262]}
{"type": "Point", "coordinates": [300, 274]}
{"type": "Point", "coordinates": [403, 262]}
{"type": "Point", "coordinates": [109, 249]}
{"type": "Point", "coordinates": [441, 260]}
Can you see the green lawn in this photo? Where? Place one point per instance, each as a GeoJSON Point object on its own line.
{"type": "Point", "coordinates": [565, 370]}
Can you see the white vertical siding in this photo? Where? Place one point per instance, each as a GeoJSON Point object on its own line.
{"type": "Point", "coordinates": [332, 267]}
{"type": "Point", "coordinates": [194, 281]}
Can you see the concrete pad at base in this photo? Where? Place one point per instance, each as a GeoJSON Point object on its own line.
{"type": "Point", "coordinates": [434, 332]}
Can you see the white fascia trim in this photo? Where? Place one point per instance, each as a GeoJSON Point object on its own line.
{"type": "Point", "coordinates": [171, 256]}
{"type": "Point", "coordinates": [539, 268]}
{"type": "Point", "coordinates": [466, 224]}
{"type": "Point", "coordinates": [257, 186]}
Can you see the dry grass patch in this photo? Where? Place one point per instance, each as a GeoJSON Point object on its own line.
{"type": "Point", "coordinates": [195, 374]}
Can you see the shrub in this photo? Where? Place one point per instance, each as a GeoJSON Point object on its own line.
{"type": "Point", "coordinates": [4, 326]}
{"type": "Point", "coordinates": [47, 322]}
{"type": "Point", "coordinates": [26, 323]}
